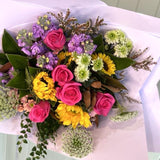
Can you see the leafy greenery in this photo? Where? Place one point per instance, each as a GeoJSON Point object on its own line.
{"type": "Point", "coordinates": [9, 44]}
{"type": "Point", "coordinates": [121, 63]}
{"type": "Point", "coordinates": [46, 131]}
{"type": "Point", "coordinates": [26, 125]}
{"type": "Point", "coordinates": [18, 61]}
{"type": "Point", "coordinates": [3, 59]}
{"type": "Point", "coordinates": [99, 42]}
{"type": "Point", "coordinates": [107, 80]}
{"type": "Point", "coordinates": [18, 81]}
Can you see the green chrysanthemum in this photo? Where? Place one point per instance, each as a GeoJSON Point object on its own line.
{"type": "Point", "coordinates": [121, 51]}
{"type": "Point", "coordinates": [8, 102]}
{"type": "Point", "coordinates": [81, 74]}
{"type": "Point", "coordinates": [124, 116]}
{"type": "Point", "coordinates": [97, 64]}
{"type": "Point", "coordinates": [83, 60]}
{"type": "Point", "coordinates": [129, 44]}
{"type": "Point", "coordinates": [77, 142]}
{"type": "Point", "coordinates": [121, 35]}
{"type": "Point", "coordinates": [111, 37]}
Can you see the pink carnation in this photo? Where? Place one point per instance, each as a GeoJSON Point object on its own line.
{"type": "Point", "coordinates": [104, 103]}
{"type": "Point", "coordinates": [70, 93]}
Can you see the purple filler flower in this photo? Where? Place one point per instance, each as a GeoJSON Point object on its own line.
{"type": "Point", "coordinates": [81, 44]}
{"type": "Point", "coordinates": [37, 48]}
{"type": "Point", "coordinates": [48, 61]}
{"type": "Point", "coordinates": [37, 31]}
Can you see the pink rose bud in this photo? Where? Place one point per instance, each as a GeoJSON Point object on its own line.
{"type": "Point", "coordinates": [55, 39]}
{"type": "Point", "coordinates": [40, 112]}
{"type": "Point", "coordinates": [62, 75]}
{"type": "Point", "coordinates": [104, 103]}
{"type": "Point", "coordinates": [70, 93]}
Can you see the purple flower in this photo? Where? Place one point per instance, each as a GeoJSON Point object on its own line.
{"type": "Point", "coordinates": [37, 31]}
{"type": "Point", "coordinates": [37, 48]}
{"type": "Point", "coordinates": [26, 51]}
{"type": "Point", "coordinates": [4, 81]}
{"type": "Point", "coordinates": [1, 74]}
{"type": "Point", "coordinates": [21, 43]}
{"type": "Point", "coordinates": [10, 72]}
{"type": "Point", "coordinates": [48, 61]}
{"type": "Point", "coordinates": [81, 44]}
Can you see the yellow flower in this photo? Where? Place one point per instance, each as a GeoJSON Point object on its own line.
{"type": "Point", "coordinates": [72, 115]}
{"type": "Point", "coordinates": [61, 57]}
{"type": "Point", "coordinates": [108, 66]}
{"type": "Point", "coordinates": [43, 86]}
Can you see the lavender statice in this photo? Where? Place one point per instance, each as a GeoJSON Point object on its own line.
{"type": "Point", "coordinates": [81, 44]}
{"type": "Point", "coordinates": [48, 61]}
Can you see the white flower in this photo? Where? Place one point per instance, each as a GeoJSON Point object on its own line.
{"type": "Point", "coordinates": [81, 74]}
{"type": "Point", "coordinates": [83, 60]}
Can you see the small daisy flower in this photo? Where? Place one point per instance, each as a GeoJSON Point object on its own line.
{"type": "Point", "coordinates": [81, 73]}
{"type": "Point", "coordinates": [111, 37]}
{"type": "Point", "coordinates": [121, 51]}
{"type": "Point", "coordinates": [83, 60]}
{"type": "Point", "coordinates": [97, 64]}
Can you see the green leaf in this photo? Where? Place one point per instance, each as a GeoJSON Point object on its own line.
{"type": "Point", "coordinates": [20, 137]}
{"type": "Point", "coordinates": [18, 81]}
{"type": "Point", "coordinates": [33, 71]}
{"type": "Point", "coordinates": [22, 93]}
{"type": "Point", "coordinates": [29, 130]}
{"type": "Point", "coordinates": [9, 44]}
{"type": "Point", "coordinates": [3, 59]}
{"type": "Point", "coordinates": [107, 80]}
{"type": "Point", "coordinates": [121, 63]}
{"type": "Point", "coordinates": [32, 154]}
{"type": "Point", "coordinates": [18, 61]}
{"type": "Point", "coordinates": [20, 149]}
{"type": "Point", "coordinates": [23, 131]}
{"type": "Point", "coordinates": [99, 42]}
{"type": "Point", "coordinates": [28, 158]}
{"type": "Point", "coordinates": [34, 148]}
{"type": "Point", "coordinates": [18, 143]}
{"type": "Point", "coordinates": [25, 141]}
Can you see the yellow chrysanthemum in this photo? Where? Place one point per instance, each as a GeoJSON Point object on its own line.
{"type": "Point", "coordinates": [43, 86]}
{"type": "Point", "coordinates": [61, 57]}
{"type": "Point", "coordinates": [108, 65]}
{"type": "Point", "coordinates": [72, 115]}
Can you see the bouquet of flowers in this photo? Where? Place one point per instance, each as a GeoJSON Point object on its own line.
{"type": "Point", "coordinates": [63, 72]}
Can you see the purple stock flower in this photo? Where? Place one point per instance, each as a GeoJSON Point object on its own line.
{"type": "Point", "coordinates": [21, 43]}
{"type": "Point", "coordinates": [38, 31]}
{"type": "Point", "coordinates": [48, 61]}
{"type": "Point", "coordinates": [37, 48]}
{"type": "Point", "coordinates": [81, 44]}
{"type": "Point", "coordinates": [26, 51]}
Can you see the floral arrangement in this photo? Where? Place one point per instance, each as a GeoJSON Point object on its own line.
{"type": "Point", "coordinates": [62, 72]}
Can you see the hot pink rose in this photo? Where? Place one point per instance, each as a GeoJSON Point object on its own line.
{"type": "Point", "coordinates": [70, 93]}
{"type": "Point", "coordinates": [104, 103]}
{"type": "Point", "coordinates": [62, 74]}
{"type": "Point", "coordinates": [40, 112]}
{"type": "Point", "coordinates": [55, 39]}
